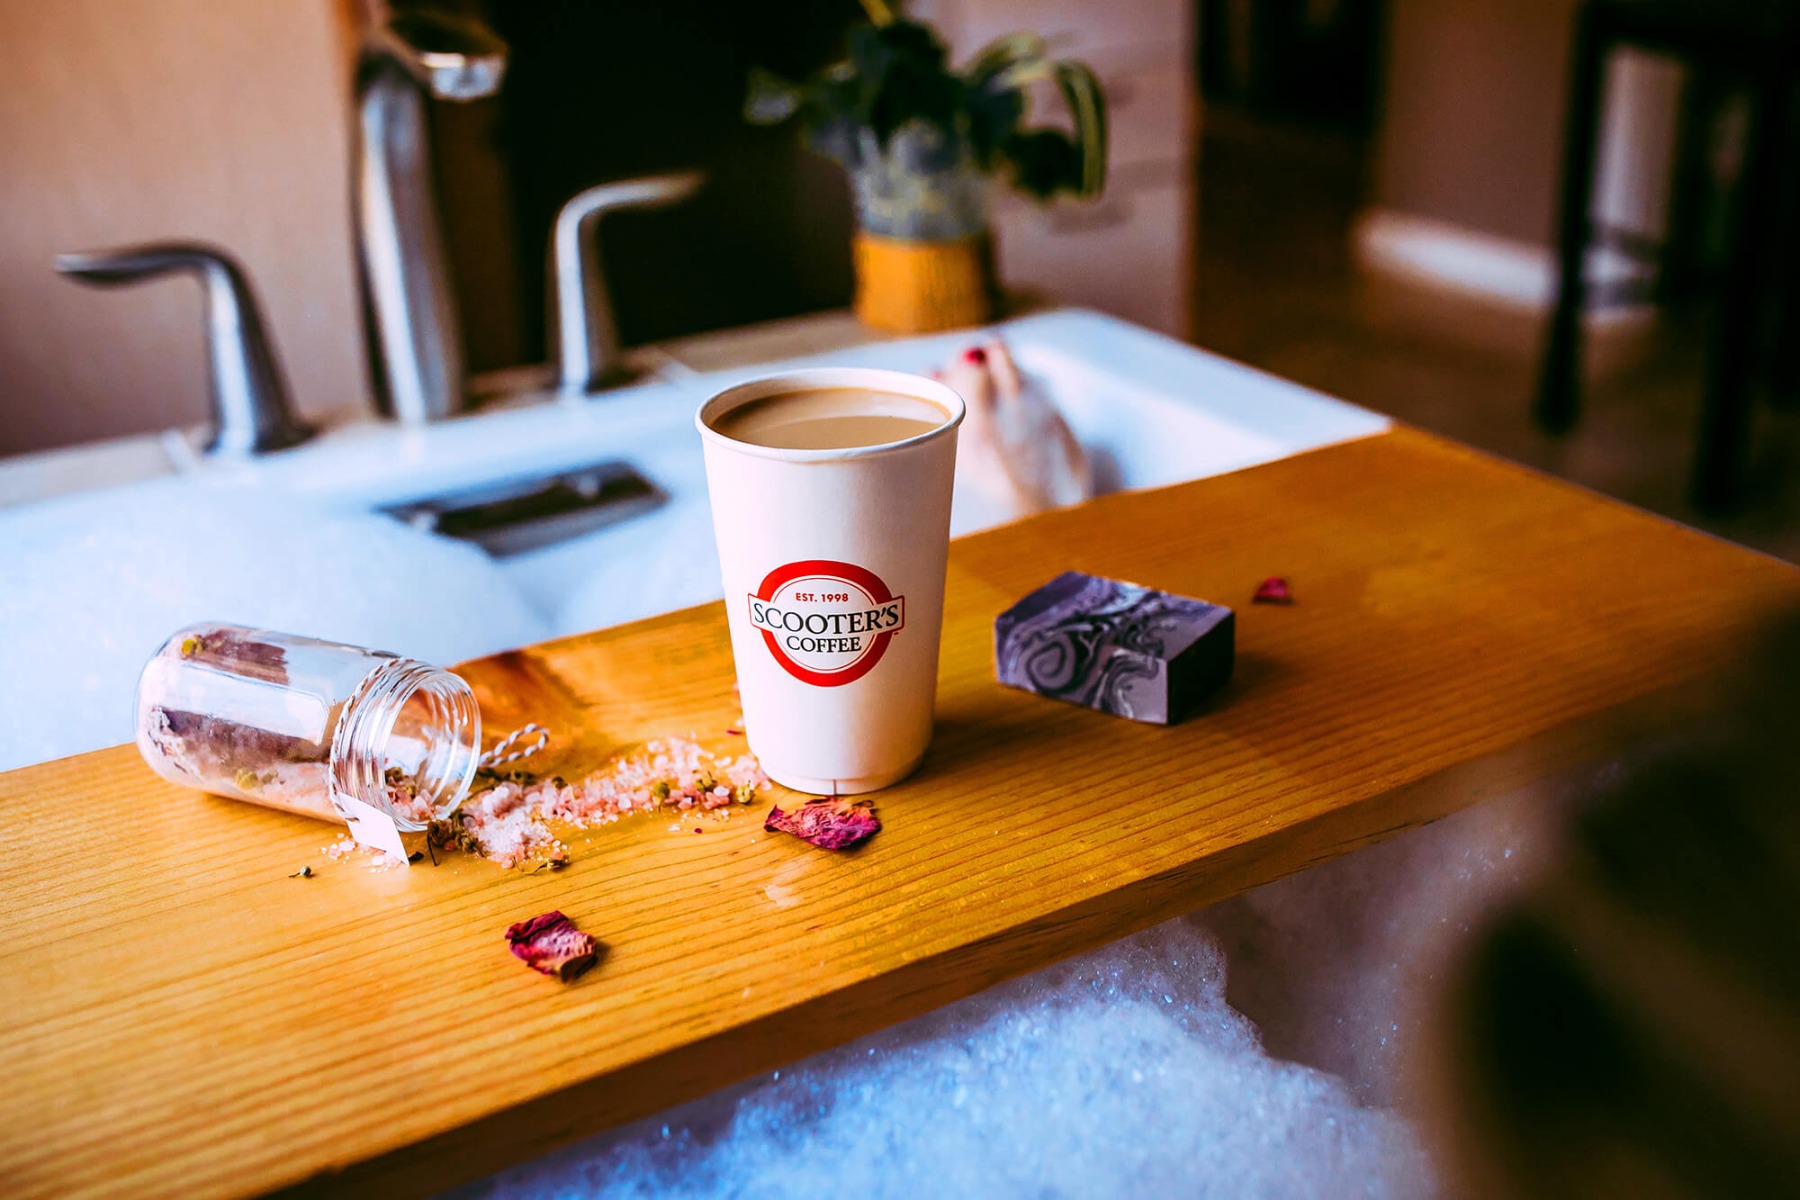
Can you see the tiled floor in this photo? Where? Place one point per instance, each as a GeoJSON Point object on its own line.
{"type": "Point", "coordinates": [1276, 287]}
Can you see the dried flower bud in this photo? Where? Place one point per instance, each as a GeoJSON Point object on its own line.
{"type": "Point", "coordinates": [550, 943]}
{"type": "Point", "coordinates": [1273, 590]}
{"type": "Point", "coordinates": [830, 823]}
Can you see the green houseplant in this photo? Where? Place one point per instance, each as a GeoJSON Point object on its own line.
{"type": "Point", "coordinates": [923, 142]}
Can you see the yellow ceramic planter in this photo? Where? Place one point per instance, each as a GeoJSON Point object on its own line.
{"type": "Point", "coordinates": [905, 286]}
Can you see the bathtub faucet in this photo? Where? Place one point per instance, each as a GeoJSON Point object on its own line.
{"type": "Point", "coordinates": [415, 339]}
{"type": "Point", "coordinates": [251, 413]}
{"type": "Point", "coordinates": [584, 337]}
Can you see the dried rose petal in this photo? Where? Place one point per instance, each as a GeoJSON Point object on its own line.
{"type": "Point", "coordinates": [550, 943]}
{"type": "Point", "coordinates": [1273, 590]}
{"type": "Point", "coordinates": [830, 824]}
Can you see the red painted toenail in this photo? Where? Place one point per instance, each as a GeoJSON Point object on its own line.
{"type": "Point", "coordinates": [975, 354]}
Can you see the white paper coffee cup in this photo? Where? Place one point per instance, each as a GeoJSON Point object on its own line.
{"type": "Point", "coordinates": [833, 563]}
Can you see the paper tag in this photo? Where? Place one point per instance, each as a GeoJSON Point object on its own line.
{"type": "Point", "coordinates": [369, 825]}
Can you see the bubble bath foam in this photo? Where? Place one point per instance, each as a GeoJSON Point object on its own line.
{"type": "Point", "coordinates": [1127, 1070]}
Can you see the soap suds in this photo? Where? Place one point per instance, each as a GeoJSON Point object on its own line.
{"type": "Point", "coordinates": [1131, 1069]}
{"type": "Point", "coordinates": [96, 583]}
{"type": "Point", "coordinates": [1123, 1072]}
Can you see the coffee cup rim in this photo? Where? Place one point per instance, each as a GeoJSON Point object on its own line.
{"type": "Point", "coordinates": [919, 387]}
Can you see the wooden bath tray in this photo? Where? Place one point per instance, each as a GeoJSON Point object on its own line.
{"type": "Point", "coordinates": [178, 1017]}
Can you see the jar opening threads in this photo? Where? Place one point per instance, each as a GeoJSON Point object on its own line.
{"type": "Point", "coordinates": [407, 742]}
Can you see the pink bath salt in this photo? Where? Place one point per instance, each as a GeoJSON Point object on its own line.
{"type": "Point", "coordinates": [829, 823]}
{"type": "Point", "coordinates": [508, 822]}
{"type": "Point", "coordinates": [550, 943]}
{"type": "Point", "coordinates": [416, 808]}
{"type": "Point", "coordinates": [404, 798]}
{"type": "Point", "coordinates": [505, 800]}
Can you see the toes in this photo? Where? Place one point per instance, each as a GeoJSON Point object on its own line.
{"type": "Point", "coordinates": [1008, 382]}
{"type": "Point", "coordinates": [967, 375]}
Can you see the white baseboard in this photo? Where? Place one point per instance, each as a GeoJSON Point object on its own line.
{"type": "Point", "coordinates": [1515, 274]}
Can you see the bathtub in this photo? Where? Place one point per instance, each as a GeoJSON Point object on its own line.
{"type": "Point", "coordinates": [299, 540]}
{"type": "Point", "coordinates": [1258, 1048]}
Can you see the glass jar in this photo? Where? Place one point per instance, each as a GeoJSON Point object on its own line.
{"type": "Point", "coordinates": [299, 724]}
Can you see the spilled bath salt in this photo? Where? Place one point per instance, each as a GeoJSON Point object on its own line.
{"type": "Point", "coordinates": [512, 822]}
{"type": "Point", "coordinates": [1121, 1072]}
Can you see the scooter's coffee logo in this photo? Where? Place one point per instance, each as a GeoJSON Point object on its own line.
{"type": "Point", "coordinates": [827, 623]}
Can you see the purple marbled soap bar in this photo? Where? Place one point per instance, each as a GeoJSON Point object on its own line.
{"type": "Point", "coordinates": [1122, 649]}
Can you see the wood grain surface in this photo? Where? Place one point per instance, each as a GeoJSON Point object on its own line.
{"type": "Point", "coordinates": [178, 1017]}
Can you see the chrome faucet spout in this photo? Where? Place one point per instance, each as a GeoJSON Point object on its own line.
{"type": "Point", "coordinates": [584, 335]}
{"type": "Point", "coordinates": [251, 410]}
{"type": "Point", "coordinates": [415, 338]}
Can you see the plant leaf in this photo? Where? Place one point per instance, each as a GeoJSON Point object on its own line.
{"type": "Point", "coordinates": [1002, 54]}
{"type": "Point", "coordinates": [879, 12]}
{"type": "Point", "coordinates": [993, 114]}
{"type": "Point", "coordinates": [1044, 162]}
{"type": "Point", "coordinates": [897, 75]}
{"type": "Point", "coordinates": [831, 111]}
{"type": "Point", "coordinates": [769, 99]}
{"type": "Point", "coordinates": [1087, 103]}
{"type": "Point", "coordinates": [915, 95]}
{"type": "Point", "coordinates": [900, 76]}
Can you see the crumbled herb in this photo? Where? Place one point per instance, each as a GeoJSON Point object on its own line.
{"type": "Point", "coordinates": [659, 791]}
{"type": "Point", "coordinates": [556, 860]}
{"type": "Point", "coordinates": [399, 781]}
{"type": "Point", "coordinates": [302, 873]}
{"type": "Point", "coordinates": [450, 833]}
{"type": "Point", "coordinates": [705, 781]}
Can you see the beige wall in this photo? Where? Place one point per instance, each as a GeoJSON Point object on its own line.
{"type": "Point", "coordinates": [1473, 113]}
{"type": "Point", "coordinates": [127, 120]}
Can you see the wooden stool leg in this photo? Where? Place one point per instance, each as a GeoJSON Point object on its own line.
{"type": "Point", "coordinates": [1558, 401]}
{"type": "Point", "coordinates": [1784, 327]}
{"type": "Point", "coordinates": [1683, 263]}
{"type": "Point", "coordinates": [1731, 368]}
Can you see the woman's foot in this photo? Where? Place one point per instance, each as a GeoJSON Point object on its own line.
{"type": "Point", "coordinates": [1014, 446]}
